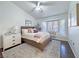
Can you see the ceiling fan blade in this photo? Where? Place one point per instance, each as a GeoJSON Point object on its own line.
{"type": "Point", "coordinates": [32, 9]}
{"type": "Point", "coordinates": [48, 3]}
{"type": "Point", "coordinates": [37, 6]}
{"type": "Point", "coordinates": [45, 3]}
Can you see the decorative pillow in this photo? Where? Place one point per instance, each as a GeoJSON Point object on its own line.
{"type": "Point", "coordinates": [35, 30]}
{"type": "Point", "coordinates": [29, 30]}
{"type": "Point", "coordinates": [32, 30]}
{"type": "Point", "coordinates": [24, 31]}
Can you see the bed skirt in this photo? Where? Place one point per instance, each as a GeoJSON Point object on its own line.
{"type": "Point", "coordinates": [40, 46]}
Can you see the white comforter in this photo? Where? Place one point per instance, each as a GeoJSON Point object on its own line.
{"type": "Point", "coordinates": [42, 36]}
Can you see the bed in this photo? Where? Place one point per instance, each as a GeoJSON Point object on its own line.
{"type": "Point", "coordinates": [36, 39]}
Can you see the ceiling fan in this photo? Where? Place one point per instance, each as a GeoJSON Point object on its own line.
{"type": "Point", "coordinates": [37, 7]}
{"type": "Point", "coordinates": [43, 3]}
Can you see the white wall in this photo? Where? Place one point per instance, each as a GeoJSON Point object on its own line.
{"type": "Point", "coordinates": [11, 15]}
{"type": "Point", "coordinates": [74, 40]}
{"type": "Point", "coordinates": [74, 31]}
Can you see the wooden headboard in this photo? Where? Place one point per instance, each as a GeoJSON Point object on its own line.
{"type": "Point", "coordinates": [25, 27]}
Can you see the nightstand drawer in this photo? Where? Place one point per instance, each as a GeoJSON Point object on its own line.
{"type": "Point", "coordinates": [15, 41]}
{"type": "Point", "coordinates": [11, 40]}
{"type": "Point", "coordinates": [7, 44]}
{"type": "Point", "coordinates": [11, 43]}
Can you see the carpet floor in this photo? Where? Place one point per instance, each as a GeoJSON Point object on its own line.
{"type": "Point", "coordinates": [52, 50]}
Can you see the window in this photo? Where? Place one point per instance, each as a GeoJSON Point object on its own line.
{"type": "Point", "coordinates": [72, 21]}
{"type": "Point", "coordinates": [62, 27]}
{"type": "Point", "coordinates": [54, 26]}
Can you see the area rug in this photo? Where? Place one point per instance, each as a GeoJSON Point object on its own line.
{"type": "Point", "coordinates": [52, 50]}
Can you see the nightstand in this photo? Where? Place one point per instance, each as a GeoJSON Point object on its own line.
{"type": "Point", "coordinates": [11, 40]}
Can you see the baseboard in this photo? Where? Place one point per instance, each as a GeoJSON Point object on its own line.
{"type": "Point", "coordinates": [72, 50]}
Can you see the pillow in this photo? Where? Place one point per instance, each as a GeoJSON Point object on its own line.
{"type": "Point", "coordinates": [24, 31]}
{"type": "Point", "coordinates": [35, 30]}
{"type": "Point", "coordinates": [30, 30]}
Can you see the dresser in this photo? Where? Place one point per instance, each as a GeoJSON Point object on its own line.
{"type": "Point", "coordinates": [11, 40]}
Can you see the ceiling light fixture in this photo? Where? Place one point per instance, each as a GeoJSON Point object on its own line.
{"type": "Point", "coordinates": [38, 6]}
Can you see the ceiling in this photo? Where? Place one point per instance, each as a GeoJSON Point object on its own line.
{"type": "Point", "coordinates": [49, 8]}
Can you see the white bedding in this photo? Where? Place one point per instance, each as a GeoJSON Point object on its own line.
{"type": "Point", "coordinates": [42, 36]}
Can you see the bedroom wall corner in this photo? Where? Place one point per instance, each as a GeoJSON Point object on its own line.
{"type": "Point", "coordinates": [11, 15]}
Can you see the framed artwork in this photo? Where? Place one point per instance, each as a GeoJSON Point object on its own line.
{"type": "Point", "coordinates": [28, 23]}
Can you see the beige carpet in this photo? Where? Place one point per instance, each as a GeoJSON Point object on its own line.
{"type": "Point", "coordinates": [24, 50]}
